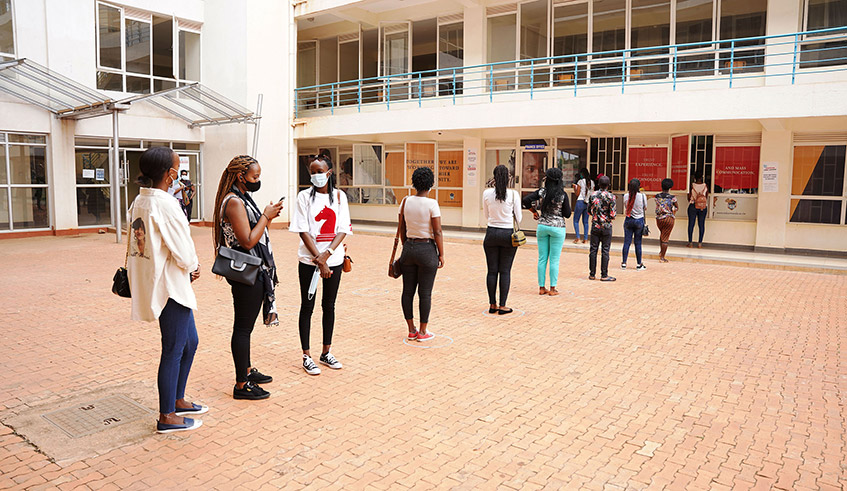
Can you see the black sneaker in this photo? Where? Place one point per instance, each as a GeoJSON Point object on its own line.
{"type": "Point", "coordinates": [258, 377]}
{"type": "Point", "coordinates": [250, 391]}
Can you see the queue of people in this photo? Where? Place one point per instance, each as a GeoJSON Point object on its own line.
{"type": "Point", "coordinates": [162, 260]}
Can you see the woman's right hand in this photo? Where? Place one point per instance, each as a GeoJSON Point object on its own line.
{"type": "Point", "coordinates": [272, 210]}
{"type": "Point", "coordinates": [440, 262]}
{"type": "Point", "coordinates": [325, 271]}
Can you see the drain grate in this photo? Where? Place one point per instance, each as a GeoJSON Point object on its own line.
{"type": "Point", "coordinates": [102, 414]}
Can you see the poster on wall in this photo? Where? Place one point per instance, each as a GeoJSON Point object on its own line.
{"type": "Point", "coordinates": [679, 162]}
{"type": "Point", "coordinates": [648, 165]}
{"type": "Point", "coordinates": [419, 155]}
{"type": "Point", "coordinates": [737, 168]}
{"type": "Point", "coordinates": [734, 207]}
{"type": "Point", "coordinates": [770, 177]}
{"type": "Point", "coordinates": [450, 169]}
{"type": "Point", "coordinates": [471, 169]}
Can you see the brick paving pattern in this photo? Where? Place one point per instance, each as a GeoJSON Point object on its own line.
{"type": "Point", "coordinates": [684, 376]}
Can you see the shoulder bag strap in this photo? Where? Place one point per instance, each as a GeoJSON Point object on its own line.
{"type": "Point", "coordinates": [128, 240]}
{"type": "Point", "coordinates": [397, 235]}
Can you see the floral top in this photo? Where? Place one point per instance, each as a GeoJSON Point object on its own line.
{"type": "Point", "coordinates": [601, 207]}
{"type": "Point", "coordinates": [557, 215]}
{"type": "Point", "coordinates": [666, 205]}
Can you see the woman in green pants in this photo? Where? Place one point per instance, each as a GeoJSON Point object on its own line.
{"type": "Point", "coordinates": [553, 209]}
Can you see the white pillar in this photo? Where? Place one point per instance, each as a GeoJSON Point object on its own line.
{"type": "Point", "coordinates": [472, 182]}
{"type": "Point", "coordinates": [784, 17]}
{"type": "Point", "coordinates": [62, 174]}
{"type": "Point", "coordinates": [773, 207]}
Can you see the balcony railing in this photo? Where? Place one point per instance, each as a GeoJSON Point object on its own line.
{"type": "Point", "coordinates": [788, 56]}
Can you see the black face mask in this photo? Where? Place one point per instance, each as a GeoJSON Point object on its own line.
{"type": "Point", "coordinates": [252, 186]}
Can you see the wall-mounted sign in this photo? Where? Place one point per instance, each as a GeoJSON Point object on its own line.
{"type": "Point", "coordinates": [734, 207]}
{"type": "Point", "coordinates": [471, 169]}
{"type": "Point", "coordinates": [100, 174]}
{"type": "Point", "coordinates": [419, 155]}
{"type": "Point", "coordinates": [737, 167]}
{"type": "Point", "coordinates": [88, 173]}
{"type": "Point", "coordinates": [535, 146]}
{"type": "Point", "coordinates": [679, 162]}
{"type": "Point", "coordinates": [450, 169]}
{"type": "Point", "coordinates": [770, 177]}
{"type": "Point", "coordinates": [648, 165]}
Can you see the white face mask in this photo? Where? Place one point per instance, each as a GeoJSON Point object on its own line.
{"type": "Point", "coordinates": [319, 180]}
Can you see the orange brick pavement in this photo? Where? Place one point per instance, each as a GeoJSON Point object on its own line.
{"type": "Point", "coordinates": [684, 376]}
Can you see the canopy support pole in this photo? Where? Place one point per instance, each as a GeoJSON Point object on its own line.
{"type": "Point", "coordinates": [115, 177]}
{"type": "Point", "coordinates": [258, 125]}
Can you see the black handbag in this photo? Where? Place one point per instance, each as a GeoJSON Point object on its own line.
{"type": "Point", "coordinates": [236, 266]}
{"type": "Point", "coordinates": [120, 282]}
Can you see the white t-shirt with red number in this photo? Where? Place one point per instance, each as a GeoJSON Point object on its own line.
{"type": "Point", "coordinates": [322, 220]}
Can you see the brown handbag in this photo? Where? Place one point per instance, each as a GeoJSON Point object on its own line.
{"type": "Point", "coordinates": [347, 266]}
{"type": "Point", "coordinates": [394, 266]}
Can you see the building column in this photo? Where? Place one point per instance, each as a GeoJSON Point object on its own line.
{"type": "Point", "coordinates": [773, 207]}
{"type": "Point", "coordinates": [474, 46]}
{"type": "Point", "coordinates": [472, 182]}
{"type": "Point", "coordinates": [62, 177]}
{"type": "Point", "coordinates": [784, 16]}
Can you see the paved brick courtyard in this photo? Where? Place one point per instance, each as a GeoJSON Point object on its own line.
{"type": "Point", "coordinates": [684, 376]}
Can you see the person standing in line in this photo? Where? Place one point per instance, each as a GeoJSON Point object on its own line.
{"type": "Point", "coordinates": [502, 209]}
{"type": "Point", "coordinates": [633, 225]}
{"type": "Point", "coordinates": [423, 251]}
{"type": "Point", "coordinates": [601, 207]}
{"type": "Point", "coordinates": [666, 208]}
{"type": "Point", "coordinates": [241, 225]}
{"type": "Point", "coordinates": [161, 265]}
{"type": "Point", "coordinates": [322, 219]}
{"type": "Point", "coordinates": [554, 210]}
{"type": "Point", "coordinates": [186, 196]}
{"type": "Point", "coordinates": [698, 207]}
{"type": "Point", "coordinates": [582, 189]}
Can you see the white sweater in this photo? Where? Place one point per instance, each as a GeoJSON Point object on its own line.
{"type": "Point", "coordinates": [161, 255]}
{"type": "Point", "coordinates": [499, 213]}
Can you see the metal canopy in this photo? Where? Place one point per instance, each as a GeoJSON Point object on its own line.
{"type": "Point", "coordinates": [38, 85]}
{"type": "Point", "coordinates": [197, 105]}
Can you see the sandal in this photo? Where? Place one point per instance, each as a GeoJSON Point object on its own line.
{"type": "Point", "coordinates": [663, 260]}
{"type": "Point", "coordinates": [576, 241]}
{"type": "Point", "coordinates": [542, 290]}
{"type": "Point", "coordinates": [553, 292]}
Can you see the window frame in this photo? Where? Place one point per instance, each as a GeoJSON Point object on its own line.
{"type": "Point", "coordinates": [842, 219]}
{"type": "Point", "coordinates": [7, 186]}
{"type": "Point", "coordinates": [14, 53]}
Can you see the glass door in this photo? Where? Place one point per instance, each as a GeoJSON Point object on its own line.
{"type": "Point", "coordinates": [190, 161]}
{"type": "Point", "coordinates": [535, 159]}
{"type": "Point", "coordinates": [396, 59]}
{"type": "Point", "coordinates": [129, 171]}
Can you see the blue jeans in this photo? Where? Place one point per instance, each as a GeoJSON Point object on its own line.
{"type": "Point", "coordinates": [632, 229]}
{"type": "Point", "coordinates": [580, 212]}
{"type": "Point", "coordinates": [550, 241]}
{"type": "Point", "coordinates": [700, 217]}
{"type": "Point", "coordinates": [179, 342]}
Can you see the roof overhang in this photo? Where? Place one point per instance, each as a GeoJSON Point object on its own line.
{"type": "Point", "coordinates": [197, 105]}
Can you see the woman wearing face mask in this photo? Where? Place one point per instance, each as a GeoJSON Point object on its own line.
{"type": "Point", "coordinates": [322, 219]}
{"type": "Point", "coordinates": [241, 225]}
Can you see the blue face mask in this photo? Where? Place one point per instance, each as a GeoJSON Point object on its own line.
{"type": "Point", "coordinates": [319, 180]}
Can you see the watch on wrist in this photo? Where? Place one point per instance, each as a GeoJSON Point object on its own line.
{"type": "Point", "coordinates": [330, 250]}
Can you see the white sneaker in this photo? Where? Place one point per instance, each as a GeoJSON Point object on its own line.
{"type": "Point", "coordinates": [641, 267]}
{"type": "Point", "coordinates": [310, 366]}
{"type": "Point", "coordinates": [330, 361]}
{"type": "Point", "coordinates": [623, 265]}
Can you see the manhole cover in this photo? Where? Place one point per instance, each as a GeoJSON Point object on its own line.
{"type": "Point", "coordinates": [87, 418]}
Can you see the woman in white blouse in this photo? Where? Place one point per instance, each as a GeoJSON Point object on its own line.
{"type": "Point", "coordinates": [161, 265]}
{"type": "Point", "coordinates": [502, 209]}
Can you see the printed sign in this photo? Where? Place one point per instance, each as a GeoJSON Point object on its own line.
{"type": "Point", "coordinates": [471, 169]}
{"type": "Point", "coordinates": [679, 162]}
{"type": "Point", "coordinates": [100, 174]}
{"type": "Point", "coordinates": [88, 173]}
{"type": "Point", "coordinates": [770, 177]}
{"type": "Point", "coordinates": [734, 207]}
{"type": "Point", "coordinates": [737, 167]}
{"type": "Point", "coordinates": [535, 146]}
{"type": "Point", "coordinates": [450, 169]}
{"type": "Point", "coordinates": [648, 165]}
{"type": "Point", "coordinates": [419, 155]}
{"type": "Point", "coordinates": [183, 163]}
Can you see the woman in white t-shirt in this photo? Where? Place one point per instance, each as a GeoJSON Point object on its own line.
{"type": "Point", "coordinates": [635, 202]}
{"type": "Point", "coordinates": [322, 218]}
{"type": "Point", "coordinates": [423, 250]}
{"type": "Point", "coordinates": [502, 209]}
{"type": "Point", "coordinates": [582, 189]}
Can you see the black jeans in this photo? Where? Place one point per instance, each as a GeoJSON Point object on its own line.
{"type": "Point", "coordinates": [499, 254]}
{"type": "Point", "coordinates": [700, 217]}
{"type": "Point", "coordinates": [246, 303]}
{"type": "Point", "coordinates": [419, 263]}
{"type": "Point", "coordinates": [328, 296]}
{"type": "Point", "coordinates": [604, 235]}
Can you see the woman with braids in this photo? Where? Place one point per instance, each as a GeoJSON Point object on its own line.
{"type": "Point", "coordinates": [633, 226]}
{"type": "Point", "coordinates": [555, 208]}
{"type": "Point", "coordinates": [241, 225]}
{"type": "Point", "coordinates": [423, 251]}
{"type": "Point", "coordinates": [322, 219]}
{"type": "Point", "coordinates": [502, 209]}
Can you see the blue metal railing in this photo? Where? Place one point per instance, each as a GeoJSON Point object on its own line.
{"type": "Point", "coordinates": [785, 55]}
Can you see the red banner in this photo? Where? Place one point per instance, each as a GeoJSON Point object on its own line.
{"type": "Point", "coordinates": [679, 162]}
{"type": "Point", "coordinates": [737, 167]}
{"type": "Point", "coordinates": [648, 165]}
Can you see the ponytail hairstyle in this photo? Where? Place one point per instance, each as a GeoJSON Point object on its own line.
{"type": "Point", "coordinates": [633, 190]}
{"type": "Point", "coordinates": [584, 174]}
{"type": "Point", "coordinates": [553, 189]}
{"type": "Point", "coordinates": [237, 167]}
{"type": "Point", "coordinates": [501, 182]}
{"type": "Point", "coordinates": [154, 164]}
{"type": "Point", "coordinates": [330, 183]}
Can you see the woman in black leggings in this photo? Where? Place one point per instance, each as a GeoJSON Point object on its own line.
{"type": "Point", "coordinates": [241, 225]}
{"type": "Point", "coordinates": [423, 250]}
{"type": "Point", "coordinates": [502, 209]}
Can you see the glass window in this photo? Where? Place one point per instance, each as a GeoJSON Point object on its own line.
{"type": "Point", "coordinates": [370, 52]}
{"type": "Point", "coordinates": [818, 170]}
{"type": "Point", "coordinates": [816, 211]}
{"type": "Point", "coordinates": [609, 35]}
{"type": "Point", "coordinates": [493, 158]}
{"type": "Point", "coordinates": [608, 157]}
{"type": "Point", "coordinates": [110, 36]}
{"type": "Point", "coordinates": [163, 47]}
{"type": "Point", "coordinates": [451, 45]}
{"type": "Point", "coordinates": [367, 165]}
{"type": "Point", "coordinates": [307, 64]}
{"type": "Point", "coordinates": [27, 164]}
{"type": "Point", "coordinates": [742, 19]}
{"type": "Point", "coordinates": [4, 208]}
{"type": "Point", "coordinates": [450, 167]}
{"type": "Point", "coordinates": [419, 155]}
{"type": "Point", "coordinates": [701, 158]}
{"type": "Point", "coordinates": [4, 179]}
{"type": "Point", "coordinates": [348, 60]}
{"type": "Point", "coordinates": [824, 14]}
{"type": "Point", "coordinates": [328, 71]}
{"type": "Point", "coordinates": [737, 170]}
{"type": "Point", "coordinates": [533, 29]}
{"type": "Point", "coordinates": [93, 206]}
{"type": "Point", "coordinates": [424, 45]}
{"type": "Point", "coordinates": [571, 155]}
{"type": "Point", "coordinates": [7, 31]}
{"type": "Point", "coordinates": [570, 37]}
{"type": "Point", "coordinates": [138, 85]}
{"type": "Point", "coordinates": [694, 21]}
{"type": "Point", "coordinates": [110, 81]}
{"type": "Point", "coordinates": [137, 46]}
{"type": "Point", "coordinates": [87, 164]}
{"type": "Point", "coordinates": [21, 138]}
{"type": "Point", "coordinates": [502, 46]}
{"type": "Point", "coordinates": [29, 208]}
{"type": "Point", "coordinates": [395, 50]}
{"type": "Point", "coordinates": [651, 26]}
{"type": "Point", "coordinates": [189, 56]}
{"type": "Point", "coordinates": [395, 166]}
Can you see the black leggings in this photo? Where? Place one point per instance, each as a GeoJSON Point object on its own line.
{"type": "Point", "coordinates": [246, 302]}
{"type": "Point", "coordinates": [499, 254]}
{"type": "Point", "coordinates": [419, 263]}
{"type": "Point", "coordinates": [330, 292]}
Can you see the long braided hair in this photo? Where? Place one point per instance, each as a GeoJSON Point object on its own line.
{"type": "Point", "coordinates": [237, 166]}
{"type": "Point", "coordinates": [553, 189]}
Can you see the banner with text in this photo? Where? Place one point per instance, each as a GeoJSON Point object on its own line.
{"type": "Point", "coordinates": [648, 165]}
